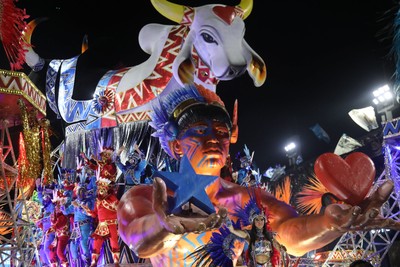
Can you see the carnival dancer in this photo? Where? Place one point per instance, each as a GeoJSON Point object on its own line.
{"type": "Point", "coordinates": [45, 196]}
{"type": "Point", "coordinates": [130, 168]}
{"type": "Point", "coordinates": [105, 211]}
{"type": "Point", "coordinates": [263, 250]}
{"type": "Point", "coordinates": [105, 164]}
{"type": "Point", "coordinates": [252, 227]}
{"type": "Point", "coordinates": [82, 227]}
{"type": "Point", "coordinates": [60, 225]}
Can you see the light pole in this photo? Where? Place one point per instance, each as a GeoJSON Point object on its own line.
{"type": "Point", "coordinates": [384, 101]}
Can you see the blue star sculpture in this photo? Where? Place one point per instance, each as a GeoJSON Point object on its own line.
{"type": "Point", "coordinates": [187, 186]}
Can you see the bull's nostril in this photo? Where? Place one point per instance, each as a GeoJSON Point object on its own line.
{"type": "Point", "coordinates": [237, 71]}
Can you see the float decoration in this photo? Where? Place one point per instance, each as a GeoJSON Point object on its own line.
{"type": "Point", "coordinates": [31, 133]}
{"type": "Point", "coordinates": [349, 179]}
{"type": "Point", "coordinates": [308, 200]}
{"type": "Point", "coordinates": [12, 23]}
{"type": "Point", "coordinates": [188, 186]}
{"type": "Point", "coordinates": [47, 174]}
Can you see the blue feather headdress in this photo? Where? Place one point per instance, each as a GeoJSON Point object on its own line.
{"type": "Point", "coordinates": [219, 250]}
{"type": "Point", "coordinates": [250, 210]}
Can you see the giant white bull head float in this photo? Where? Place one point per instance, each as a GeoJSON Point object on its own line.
{"type": "Point", "coordinates": [206, 46]}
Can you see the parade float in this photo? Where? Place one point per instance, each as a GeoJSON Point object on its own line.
{"type": "Point", "coordinates": [118, 116]}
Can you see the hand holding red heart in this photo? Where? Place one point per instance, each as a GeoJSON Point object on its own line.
{"type": "Point", "coordinates": [350, 180]}
{"type": "Point", "coordinates": [366, 216]}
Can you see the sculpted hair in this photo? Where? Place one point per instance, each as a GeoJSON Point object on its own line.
{"type": "Point", "coordinates": [182, 107]}
{"type": "Point", "coordinates": [200, 113]}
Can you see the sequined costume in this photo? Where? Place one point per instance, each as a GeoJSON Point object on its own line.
{"type": "Point", "coordinates": [106, 164]}
{"type": "Point", "coordinates": [105, 210]}
{"type": "Point", "coordinates": [82, 226]}
{"type": "Point", "coordinates": [262, 249]}
{"type": "Point", "coordinates": [129, 170]}
{"type": "Point", "coordinates": [60, 225]}
{"type": "Point", "coordinates": [44, 224]}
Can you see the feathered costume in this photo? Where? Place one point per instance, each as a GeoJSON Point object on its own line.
{"type": "Point", "coordinates": [12, 24]}
{"type": "Point", "coordinates": [219, 251]}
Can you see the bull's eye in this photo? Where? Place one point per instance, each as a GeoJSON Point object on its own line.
{"type": "Point", "coordinates": [208, 38]}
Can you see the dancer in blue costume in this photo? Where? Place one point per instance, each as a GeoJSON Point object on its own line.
{"type": "Point", "coordinates": [45, 196]}
{"type": "Point", "coordinates": [82, 227]}
{"type": "Point", "coordinates": [130, 169]}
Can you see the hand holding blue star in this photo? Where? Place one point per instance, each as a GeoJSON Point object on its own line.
{"type": "Point", "coordinates": [187, 186]}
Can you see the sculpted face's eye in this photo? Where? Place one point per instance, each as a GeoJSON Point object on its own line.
{"type": "Point", "coordinates": [200, 130]}
{"type": "Point", "coordinates": [222, 131]}
{"type": "Point", "coordinates": [208, 38]}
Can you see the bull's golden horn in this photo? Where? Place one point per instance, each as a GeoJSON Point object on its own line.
{"type": "Point", "coordinates": [170, 10]}
{"type": "Point", "coordinates": [247, 6]}
{"type": "Point", "coordinates": [85, 44]}
{"type": "Point", "coordinates": [27, 33]}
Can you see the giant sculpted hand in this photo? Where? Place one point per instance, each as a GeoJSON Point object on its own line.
{"type": "Point", "coordinates": [145, 225]}
{"type": "Point", "coordinates": [192, 221]}
{"type": "Point", "coordinates": [364, 217]}
{"type": "Point", "coordinates": [306, 233]}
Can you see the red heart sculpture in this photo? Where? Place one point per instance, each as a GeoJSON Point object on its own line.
{"type": "Point", "coordinates": [349, 179]}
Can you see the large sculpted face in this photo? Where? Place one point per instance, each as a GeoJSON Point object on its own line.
{"type": "Point", "coordinates": [206, 144]}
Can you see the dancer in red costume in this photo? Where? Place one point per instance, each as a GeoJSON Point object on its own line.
{"type": "Point", "coordinates": [60, 225]}
{"type": "Point", "coordinates": [106, 164]}
{"type": "Point", "coordinates": [193, 122]}
{"type": "Point", "coordinates": [105, 211]}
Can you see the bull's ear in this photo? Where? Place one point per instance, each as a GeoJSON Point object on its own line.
{"type": "Point", "coordinates": [186, 71]}
{"type": "Point", "coordinates": [256, 67]}
{"type": "Point", "coordinates": [183, 67]}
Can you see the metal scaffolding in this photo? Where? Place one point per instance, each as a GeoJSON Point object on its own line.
{"type": "Point", "coordinates": [18, 239]}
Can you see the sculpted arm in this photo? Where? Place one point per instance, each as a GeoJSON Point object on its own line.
{"type": "Point", "coordinates": [145, 226]}
{"type": "Point", "coordinates": [145, 231]}
{"type": "Point", "coordinates": [300, 234]}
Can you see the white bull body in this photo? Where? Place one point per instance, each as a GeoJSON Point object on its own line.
{"type": "Point", "coordinates": [207, 46]}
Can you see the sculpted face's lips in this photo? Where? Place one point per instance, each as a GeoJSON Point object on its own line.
{"type": "Point", "coordinates": [213, 151]}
